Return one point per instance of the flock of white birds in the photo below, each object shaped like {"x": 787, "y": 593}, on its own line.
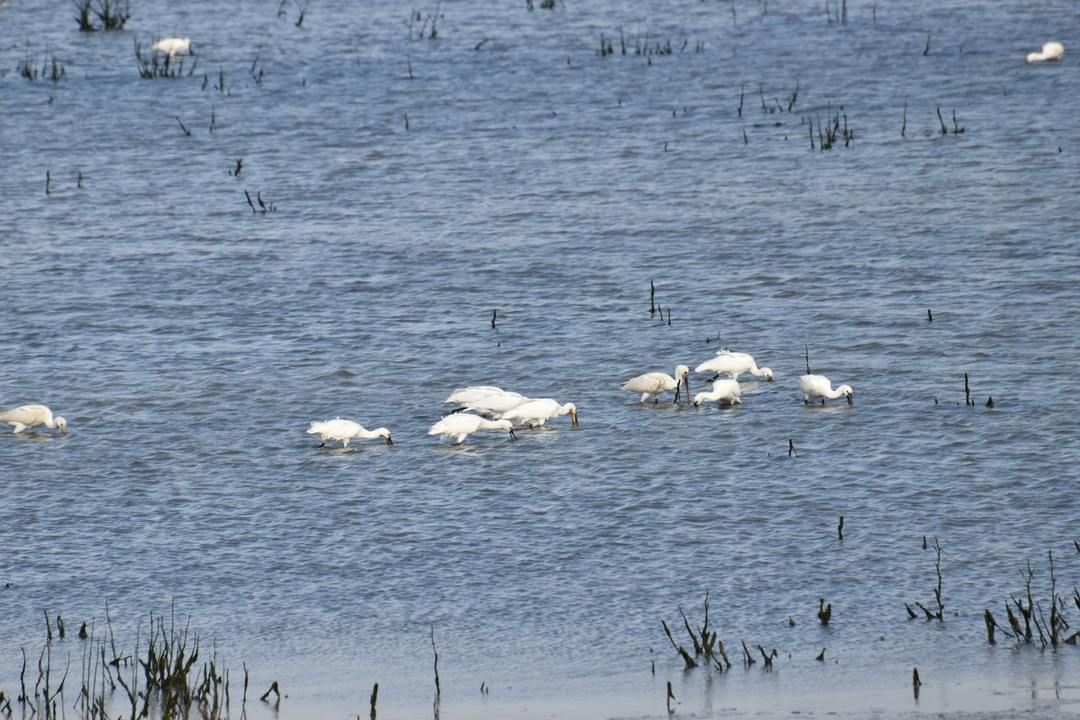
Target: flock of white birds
{"x": 486, "y": 407}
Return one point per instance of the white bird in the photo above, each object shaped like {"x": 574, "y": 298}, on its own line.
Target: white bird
{"x": 496, "y": 404}
{"x": 346, "y": 430}
{"x": 461, "y": 425}
{"x": 1051, "y": 52}
{"x": 30, "y": 416}
{"x": 536, "y": 412}
{"x": 724, "y": 390}
{"x": 818, "y": 386}
{"x": 172, "y": 46}
{"x": 733, "y": 364}
{"x": 464, "y": 396}
{"x": 654, "y": 383}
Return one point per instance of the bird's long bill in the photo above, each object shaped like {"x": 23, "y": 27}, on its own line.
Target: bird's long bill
{"x": 389, "y": 441}
{"x": 851, "y": 399}
{"x": 573, "y": 417}
{"x": 686, "y": 381}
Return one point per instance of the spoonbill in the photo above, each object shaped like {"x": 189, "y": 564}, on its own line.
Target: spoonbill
{"x": 466, "y": 395}
{"x": 654, "y": 383}
{"x": 346, "y": 430}
{"x": 461, "y": 425}
{"x": 172, "y": 46}
{"x": 733, "y": 364}
{"x": 30, "y": 416}
{"x": 536, "y": 412}
{"x": 496, "y": 404}
{"x": 1051, "y": 52}
{"x": 818, "y": 386}
{"x": 724, "y": 390}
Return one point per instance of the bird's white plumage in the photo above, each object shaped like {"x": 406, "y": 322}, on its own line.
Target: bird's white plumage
{"x": 1051, "y": 52}
{"x": 460, "y": 425}
{"x": 818, "y": 386}
{"x": 724, "y": 390}
{"x": 733, "y": 364}
{"x": 172, "y": 46}
{"x": 536, "y": 412}
{"x": 496, "y": 404}
{"x": 652, "y": 384}
{"x": 466, "y": 395}
{"x": 346, "y": 430}
{"x": 30, "y": 416}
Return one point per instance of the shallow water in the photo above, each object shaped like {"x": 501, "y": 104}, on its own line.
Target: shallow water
{"x": 189, "y": 342}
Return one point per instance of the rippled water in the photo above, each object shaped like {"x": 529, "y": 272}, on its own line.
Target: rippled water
{"x": 421, "y": 184}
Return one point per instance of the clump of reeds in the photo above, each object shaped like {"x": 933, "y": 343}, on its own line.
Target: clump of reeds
{"x": 708, "y": 647}
{"x": 833, "y": 130}
{"x": 1051, "y": 631}
{"x": 425, "y": 26}
{"x": 110, "y": 14}
{"x": 51, "y": 68}
{"x": 160, "y": 676}
{"x": 646, "y": 46}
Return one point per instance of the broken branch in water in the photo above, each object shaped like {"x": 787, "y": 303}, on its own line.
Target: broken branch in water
{"x": 689, "y": 661}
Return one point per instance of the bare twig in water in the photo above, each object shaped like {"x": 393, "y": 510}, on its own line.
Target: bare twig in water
{"x": 272, "y": 689}
{"x": 687, "y": 660}
{"x": 824, "y": 611}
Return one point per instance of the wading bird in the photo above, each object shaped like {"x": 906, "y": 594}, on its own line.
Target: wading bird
{"x": 30, "y": 416}
{"x": 464, "y": 396}
{"x": 172, "y": 46}
{"x": 1051, "y": 52}
{"x": 461, "y": 425}
{"x": 818, "y": 386}
{"x": 723, "y": 391}
{"x": 536, "y": 412}
{"x": 653, "y": 384}
{"x": 733, "y": 364}
{"x": 496, "y": 404}
{"x": 346, "y": 430}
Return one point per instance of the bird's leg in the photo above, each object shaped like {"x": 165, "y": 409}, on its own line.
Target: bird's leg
{"x": 344, "y": 443}
{"x": 644, "y": 397}
{"x": 18, "y": 427}
{"x": 822, "y": 401}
